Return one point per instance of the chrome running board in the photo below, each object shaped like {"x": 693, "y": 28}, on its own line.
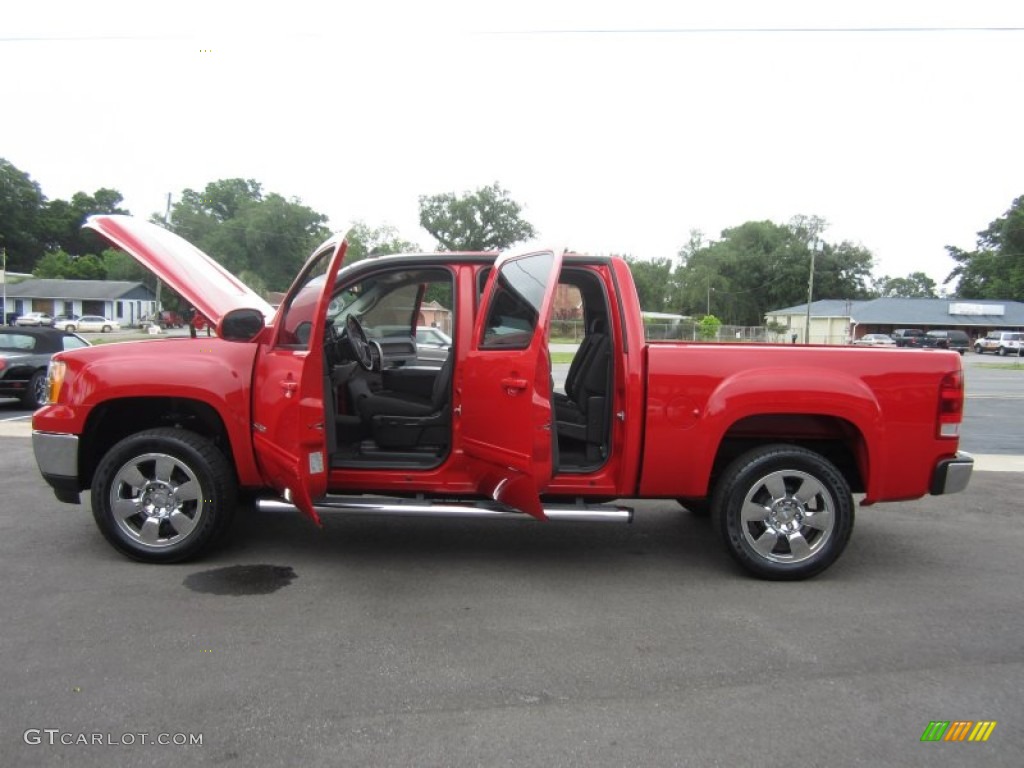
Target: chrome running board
{"x": 360, "y": 505}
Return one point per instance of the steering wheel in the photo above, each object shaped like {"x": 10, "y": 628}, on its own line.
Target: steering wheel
{"x": 359, "y": 343}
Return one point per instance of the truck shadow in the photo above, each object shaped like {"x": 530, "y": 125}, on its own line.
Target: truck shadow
{"x": 671, "y": 538}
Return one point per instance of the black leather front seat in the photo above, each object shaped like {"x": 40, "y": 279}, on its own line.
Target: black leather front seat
{"x": 404, "y": 420}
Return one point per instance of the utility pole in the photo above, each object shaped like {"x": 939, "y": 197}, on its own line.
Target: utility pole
{"x": 159, "y": 285}
{"x": 816, "y": 246}
{"x": 3, "y": 321}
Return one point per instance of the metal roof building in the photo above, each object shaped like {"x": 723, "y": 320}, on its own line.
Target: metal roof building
{"x": 835, "y": 321}
{"x": 122, "y": 300}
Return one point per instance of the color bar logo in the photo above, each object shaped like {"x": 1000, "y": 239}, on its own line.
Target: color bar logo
{"x": 958, "y": 730}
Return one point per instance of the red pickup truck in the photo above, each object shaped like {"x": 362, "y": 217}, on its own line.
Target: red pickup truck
{"x": 323, "y": 406}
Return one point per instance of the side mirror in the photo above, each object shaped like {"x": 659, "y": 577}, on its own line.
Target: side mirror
{"x": 241, "y": 325}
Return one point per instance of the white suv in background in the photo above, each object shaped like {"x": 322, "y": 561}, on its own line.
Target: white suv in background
{"x": 1000, "y": 342}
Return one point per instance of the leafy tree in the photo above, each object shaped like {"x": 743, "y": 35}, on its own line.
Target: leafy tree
{"x": 118, "y": 265}
{"x": 364, "y": 240}
{"x": 995, "y": 269}
{"x": 20, "y": 202}
{"x": 760, "y": 265}
{"x": 709, "y": 325}
{"x": 916, "y": 285}
{"x": 62, "y": 265}
{"x": 484, "y": 220}
{"x": 60, "y": 221}
{"x": 653, "y": 280}
{"x": 246, "y": 230}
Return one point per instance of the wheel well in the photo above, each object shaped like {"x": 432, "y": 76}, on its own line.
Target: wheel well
{"x": 836, "y": 439}
{"x": 113, "y": 421}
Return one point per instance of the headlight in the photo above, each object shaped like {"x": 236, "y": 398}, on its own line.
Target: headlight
{"x": 55, "y": 380}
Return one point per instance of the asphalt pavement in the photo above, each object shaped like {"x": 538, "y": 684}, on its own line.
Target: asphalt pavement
{"x": 388, "y": 642}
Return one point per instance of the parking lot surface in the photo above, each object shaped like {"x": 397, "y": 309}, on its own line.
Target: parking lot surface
{"x": 376, "y": 642}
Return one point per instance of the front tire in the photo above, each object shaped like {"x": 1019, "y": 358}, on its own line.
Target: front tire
{"x": 163, "y": 495}
{"x": 784, "y": 512}
{"x": 35, "y": 392}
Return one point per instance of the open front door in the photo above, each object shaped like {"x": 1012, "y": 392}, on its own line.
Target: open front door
{"x": 289, "y": 429}
{"x": 503, "y": 392}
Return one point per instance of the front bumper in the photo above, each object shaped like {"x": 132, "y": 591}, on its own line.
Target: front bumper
{"x": 952, "y": 475}
{"x": 57, "y": 458}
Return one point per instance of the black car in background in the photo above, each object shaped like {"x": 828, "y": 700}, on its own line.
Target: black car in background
{"x": 908, "y": 337}
{"x": 24, "y": 355}
{"x": 956, "y": 340}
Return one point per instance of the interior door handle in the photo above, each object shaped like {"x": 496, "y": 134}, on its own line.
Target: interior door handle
{"x": 514, "y": 386}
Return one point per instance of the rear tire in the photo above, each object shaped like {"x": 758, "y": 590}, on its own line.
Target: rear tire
{"x": 163, "y": 495}
{"x": 784, "y": 512}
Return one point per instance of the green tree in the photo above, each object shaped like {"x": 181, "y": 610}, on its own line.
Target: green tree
{"x": 246, "y": 230}
{"x": 364, "y": 240}
{"x": 118, "y": 265}
{"x": 654, "y": 286}
{"x": 760, "y": 265}
{"x": 916, "y": 285}
{"x": 21, "y": 201}
{"x": 484, "y": 220}
{"x": 995, "y": 269}
{"x": 60, "y": 264}
{"x": 60, "y": 221}
{"x": 709, "y": 325}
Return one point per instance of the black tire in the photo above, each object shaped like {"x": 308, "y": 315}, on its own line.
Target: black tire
{"x": 1002, "y": 351}
{"x": 35, "y": 392}
{"x": 696, "y": 507}
{"x": 186, "y": 482}
{"x": 798, "y": 535}
{"x": 105, "y": 329}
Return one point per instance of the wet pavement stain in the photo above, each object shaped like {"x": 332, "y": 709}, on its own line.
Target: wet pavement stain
{"x": 241, "y": 580}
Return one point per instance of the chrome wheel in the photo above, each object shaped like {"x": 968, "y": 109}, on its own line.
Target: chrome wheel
{"x": 163, "y": 495}
{"x": 155, "y": 500}
{"x": 784, "y": 512}
{"x": 787, "y": 516}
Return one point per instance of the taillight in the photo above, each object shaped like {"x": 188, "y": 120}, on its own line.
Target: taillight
{"x": 55, "y": 380}
{"x": 951, "y": 404}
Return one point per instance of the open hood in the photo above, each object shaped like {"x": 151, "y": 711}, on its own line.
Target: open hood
{"x": 198, "y": 278}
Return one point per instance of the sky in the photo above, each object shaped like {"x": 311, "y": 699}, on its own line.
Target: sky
{"x": 619, "y": 127}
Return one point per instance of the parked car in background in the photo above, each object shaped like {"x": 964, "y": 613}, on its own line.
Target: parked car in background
{"x": 908, "y": 337}
{"x": 874, "y": 340}
{"x": 955, "y": 340}
{"x": 1000, "y": 343}
{"x": 432, "y": 344}
{"x": 65, "y": 322}
{"x": 24, "y": 355}
{"x": 93, "y": 324}
{"x": 168, "y": 318}
{"x": 34, "y": 320}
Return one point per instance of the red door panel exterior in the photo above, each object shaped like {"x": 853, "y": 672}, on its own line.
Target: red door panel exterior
{"x": 503, "y": 385}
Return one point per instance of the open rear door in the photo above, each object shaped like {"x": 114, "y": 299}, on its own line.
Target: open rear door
{"x": 503, "y": 391}
{"x": 289, "y": 429}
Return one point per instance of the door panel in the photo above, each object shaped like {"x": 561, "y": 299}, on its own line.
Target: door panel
{"x": 504, "y": 382}
{"x": 289, "y": 435}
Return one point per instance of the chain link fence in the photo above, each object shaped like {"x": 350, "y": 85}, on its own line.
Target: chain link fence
{"x": 574, "y": 331}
